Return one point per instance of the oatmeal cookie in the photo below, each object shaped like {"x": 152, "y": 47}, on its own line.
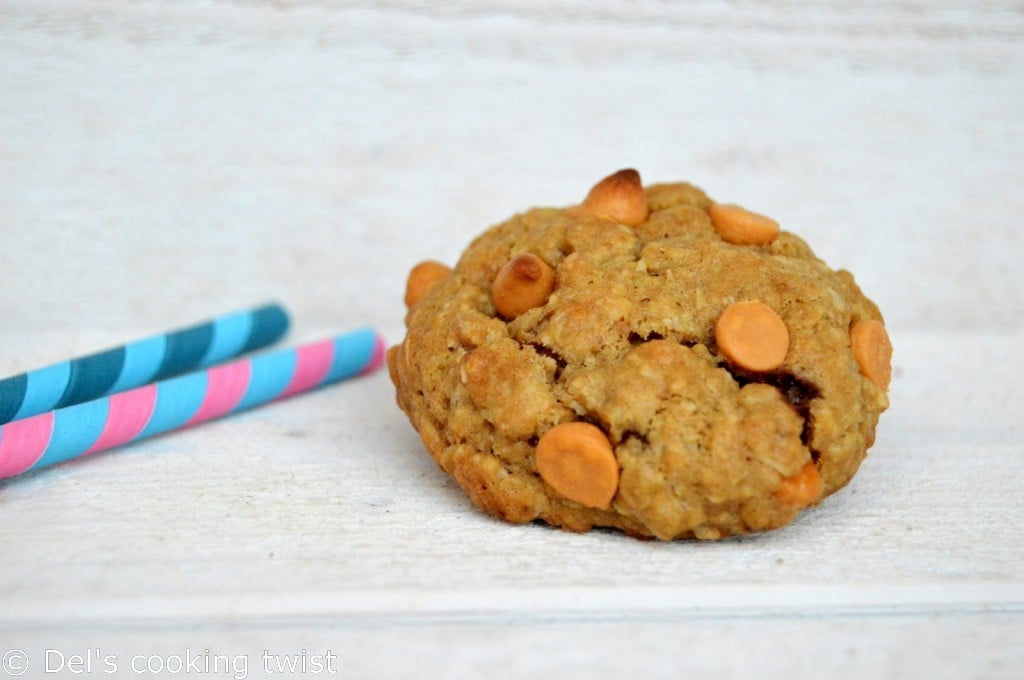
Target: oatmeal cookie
{"x": 648, "y": 360}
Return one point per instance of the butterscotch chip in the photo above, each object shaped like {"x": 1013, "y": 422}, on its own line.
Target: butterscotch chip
{"x": 802, "y": 489}
{"x": 873, "y": 351}
{"x": 524, "y": 282}
{"x": 577, "y": 460}
{"x": 422, "y": 278}
{"x": 741, "y": 226}
{"x": 670, "y": 384}
{"x": 620, "y": 197}
{"x": 752, "y": 336}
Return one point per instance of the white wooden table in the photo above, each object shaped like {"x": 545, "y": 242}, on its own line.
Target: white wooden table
{"x": 161, "y": 163}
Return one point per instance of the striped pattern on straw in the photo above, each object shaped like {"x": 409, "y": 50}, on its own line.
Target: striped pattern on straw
{"x": 60, "y": 435}
{"x": 155, "y": 358}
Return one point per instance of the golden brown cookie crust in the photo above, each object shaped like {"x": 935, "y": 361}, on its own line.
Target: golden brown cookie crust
{"x": 626, "y": 341}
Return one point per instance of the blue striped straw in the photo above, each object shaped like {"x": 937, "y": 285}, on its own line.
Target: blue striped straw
{"x": 154, "y": 358}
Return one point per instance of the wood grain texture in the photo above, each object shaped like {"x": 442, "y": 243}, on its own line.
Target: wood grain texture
{"x": 163, "y": 162}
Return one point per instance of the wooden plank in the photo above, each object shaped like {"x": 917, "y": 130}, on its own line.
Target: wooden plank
{"x": 312, "y": 514}
{"x": 770, "y": 647}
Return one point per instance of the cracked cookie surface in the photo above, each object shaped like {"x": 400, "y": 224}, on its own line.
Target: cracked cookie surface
{"x": 625, "y": 340}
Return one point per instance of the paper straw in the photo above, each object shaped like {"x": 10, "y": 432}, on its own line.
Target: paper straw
{"x": 140, "y": 362}
{"x": 66, "y": 433}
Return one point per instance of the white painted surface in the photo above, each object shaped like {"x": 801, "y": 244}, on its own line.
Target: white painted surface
{"x": 161, "y": 163}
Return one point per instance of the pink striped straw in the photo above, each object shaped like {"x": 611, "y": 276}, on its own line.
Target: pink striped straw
{"x": 56, "y": 436}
